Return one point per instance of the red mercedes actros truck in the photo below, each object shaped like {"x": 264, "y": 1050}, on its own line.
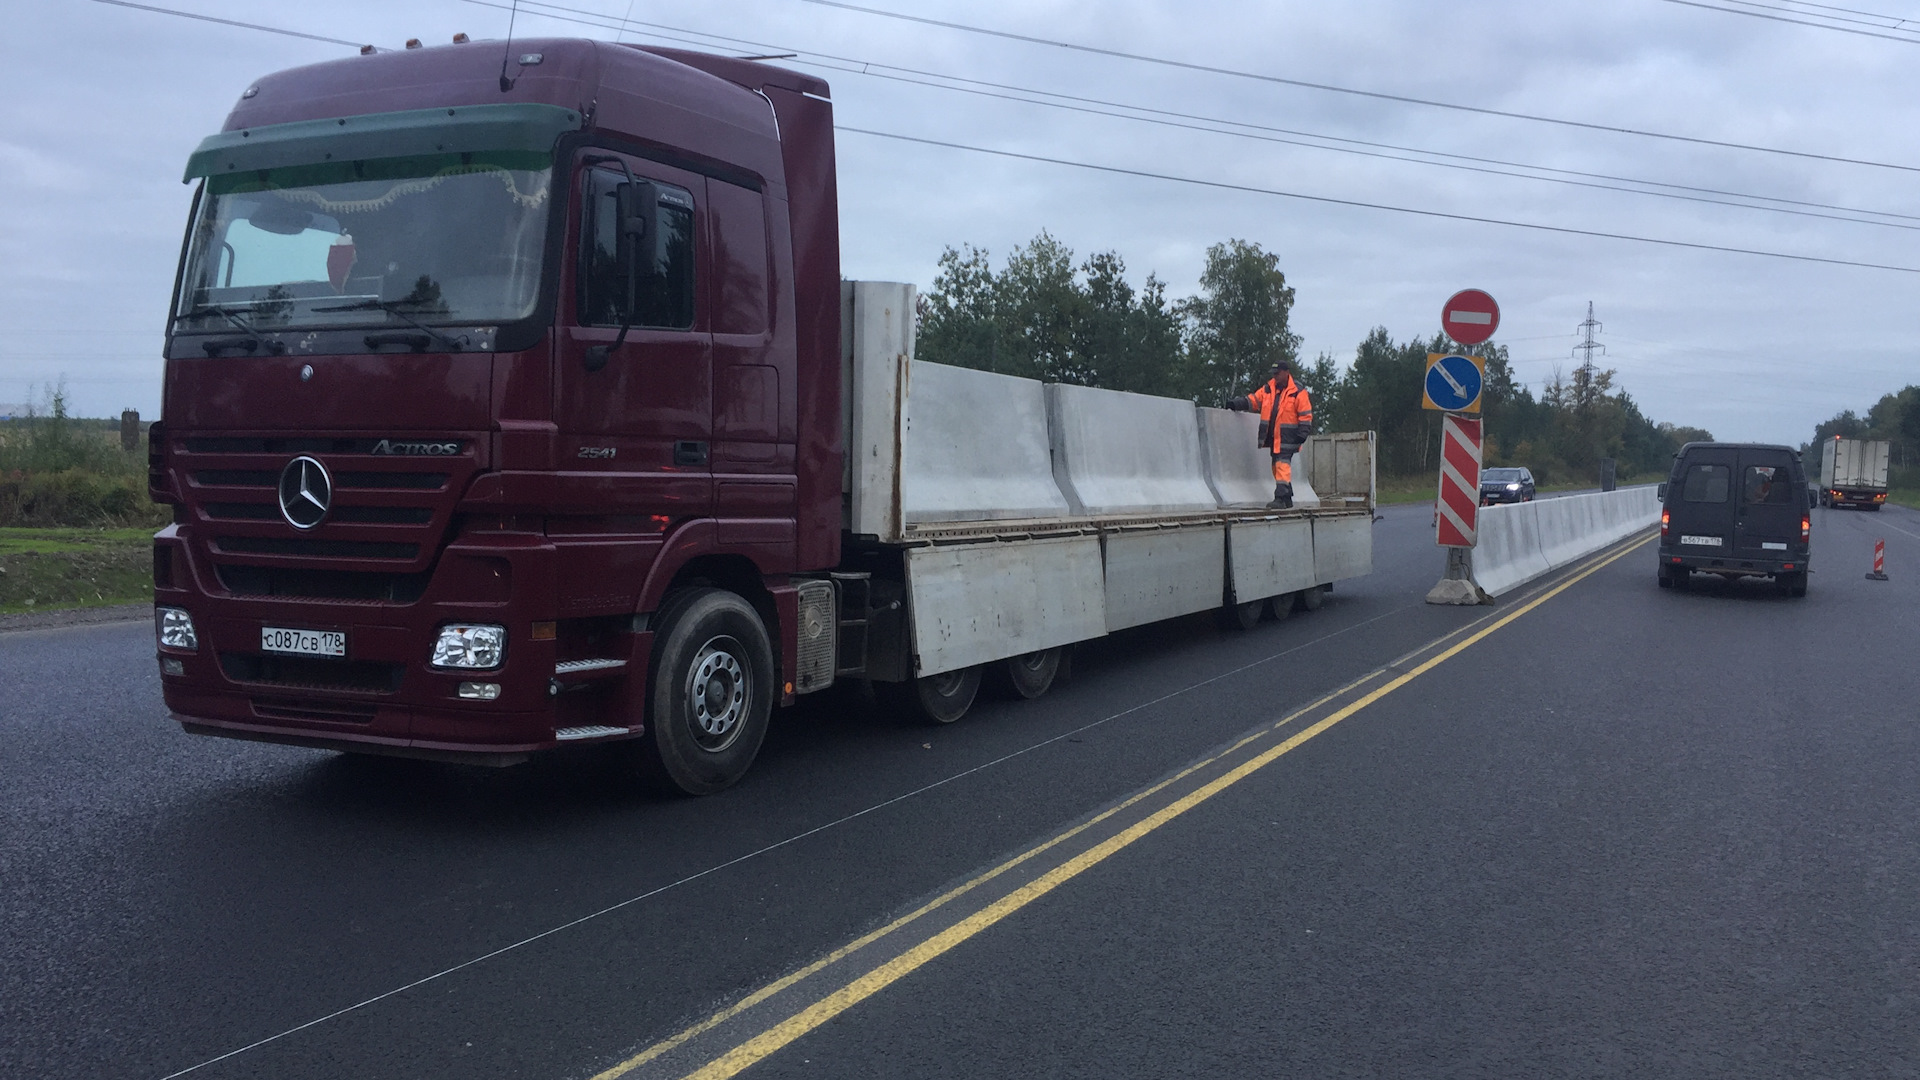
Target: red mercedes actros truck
{"x": 514, "y": 406}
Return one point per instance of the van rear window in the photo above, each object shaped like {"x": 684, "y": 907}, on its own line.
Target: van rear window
{"x": 1707, "y": 483}
{"x": 1766, "y": 484}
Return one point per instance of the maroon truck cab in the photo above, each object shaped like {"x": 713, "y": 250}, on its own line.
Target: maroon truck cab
{"x": 503, "y": 410}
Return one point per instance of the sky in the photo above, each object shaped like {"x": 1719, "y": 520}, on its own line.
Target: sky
{"x": 108, "y": 100}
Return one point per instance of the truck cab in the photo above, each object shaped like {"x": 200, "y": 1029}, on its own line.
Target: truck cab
{"x": 1735, "y": 510}
{"x": 467, "y": 372}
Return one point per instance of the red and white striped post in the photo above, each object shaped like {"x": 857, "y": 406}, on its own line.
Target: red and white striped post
{"x": 1459, "y": 482}
{"x": 1879, "y": 561}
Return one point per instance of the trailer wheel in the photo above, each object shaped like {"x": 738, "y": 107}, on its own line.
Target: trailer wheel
{"x": 1311, "y": 599}
{"x": 1242, "y": 616}
{"x": 936, "y": 699}
{"x": 710, "y": 692}
{"x": 1030, "y": 675}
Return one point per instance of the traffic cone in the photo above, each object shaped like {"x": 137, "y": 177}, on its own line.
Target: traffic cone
{"x": 1879, "y": 572}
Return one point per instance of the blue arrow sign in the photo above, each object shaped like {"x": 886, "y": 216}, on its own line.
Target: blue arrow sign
{"x": 1453, "y": 384}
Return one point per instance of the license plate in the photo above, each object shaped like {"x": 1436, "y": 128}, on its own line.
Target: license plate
{"x": 1701, "y": 541}
{"x": 280, "y": 639}
{"x": 1768, "y": 546}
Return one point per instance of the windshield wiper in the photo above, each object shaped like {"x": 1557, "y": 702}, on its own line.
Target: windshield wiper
{"x": 392, "y": 307}
{"x": 253, "y": 341}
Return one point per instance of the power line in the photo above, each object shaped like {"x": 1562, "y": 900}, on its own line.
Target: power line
{"x": 1796, "y": 22}
{"x": 1252, "y": 131}
{"x": 233, "y": 22}
{"x": 1228, "y": 186}
{"x": 1188, "y": 65}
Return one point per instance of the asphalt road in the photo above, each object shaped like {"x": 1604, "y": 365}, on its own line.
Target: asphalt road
{"x": 1619, "y": 830}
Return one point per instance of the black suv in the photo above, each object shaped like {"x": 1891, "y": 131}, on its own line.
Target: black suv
{"x": 1505, "y": 485}
{"x": 1738, "y": 510}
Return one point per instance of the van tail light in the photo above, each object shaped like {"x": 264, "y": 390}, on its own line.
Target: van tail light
{"x": 1666, "y": 516}
{"x": 1806, "y": 526}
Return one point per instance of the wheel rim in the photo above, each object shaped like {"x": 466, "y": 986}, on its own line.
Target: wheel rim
{"x": 719, "y": 692}
{"x": 946, "y": 684}
{"x": 1034, "y": 662}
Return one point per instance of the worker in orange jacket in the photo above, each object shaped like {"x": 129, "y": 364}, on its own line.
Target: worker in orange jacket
{"x": 1286, "y": 419}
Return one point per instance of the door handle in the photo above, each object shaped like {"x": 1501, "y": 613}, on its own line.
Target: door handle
{"x": 689, "y": 452}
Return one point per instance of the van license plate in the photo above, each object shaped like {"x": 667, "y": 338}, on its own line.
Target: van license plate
{"x": 1701, "y": 541}
{"x": 1769, "y": 546}
{"x": 279, "y": 639}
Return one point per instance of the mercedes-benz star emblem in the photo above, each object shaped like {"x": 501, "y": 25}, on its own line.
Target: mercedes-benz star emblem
{"x": 306, "y": 493}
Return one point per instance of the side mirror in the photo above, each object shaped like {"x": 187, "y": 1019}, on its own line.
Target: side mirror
{"x": 636, "y": 208}
{"x": 637, "y": 205}
{"x": 1813, "y": 498}
{"x": 1661, "y": 491}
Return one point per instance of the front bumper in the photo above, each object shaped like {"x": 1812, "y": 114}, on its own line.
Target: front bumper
{"x": 384, "y": 697}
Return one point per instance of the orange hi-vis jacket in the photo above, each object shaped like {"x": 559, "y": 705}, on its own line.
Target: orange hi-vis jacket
{"x": 1289, "y": 409}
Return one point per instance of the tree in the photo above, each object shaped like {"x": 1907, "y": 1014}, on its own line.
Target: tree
{"x": 1237, "y": 327}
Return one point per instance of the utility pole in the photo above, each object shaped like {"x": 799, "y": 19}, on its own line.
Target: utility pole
{"x": 1583, "y": 377}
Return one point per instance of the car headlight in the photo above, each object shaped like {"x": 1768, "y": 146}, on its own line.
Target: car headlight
{"x": 174, "y": 627}
{"x": 1513, "y": 487}
{"x": 463, "y": 645}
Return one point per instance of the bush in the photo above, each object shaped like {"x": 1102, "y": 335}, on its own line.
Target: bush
{"x": 76, "y": 497}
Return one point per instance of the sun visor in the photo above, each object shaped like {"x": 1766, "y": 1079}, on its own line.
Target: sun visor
{"x": 463, "y": 129}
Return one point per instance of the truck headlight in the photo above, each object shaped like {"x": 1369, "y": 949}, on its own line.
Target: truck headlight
{"x": 463, "y": 645}
{"x": 174, "y": 627}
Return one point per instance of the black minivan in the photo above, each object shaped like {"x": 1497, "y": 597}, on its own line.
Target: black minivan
{"x": 1738, "y": 510}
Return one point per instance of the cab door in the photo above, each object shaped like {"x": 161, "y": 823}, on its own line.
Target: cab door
{"x": 1771, "y": 502}
{"x": 635, "y": 426}
{"x": 1700, "y": 503}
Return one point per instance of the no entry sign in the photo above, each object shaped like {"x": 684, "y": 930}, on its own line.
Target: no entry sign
{"x": 1470, "y": 317}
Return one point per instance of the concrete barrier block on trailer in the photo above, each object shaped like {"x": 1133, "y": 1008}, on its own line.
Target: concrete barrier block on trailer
{"x": 1155, "y": 573}
{"x": 1270, "y": 557}
{"x": 976, "y": 603}
{"x": 1238, "y": 468}
{"x": 975, "y": 448}
{"x": 1126, "y": 455}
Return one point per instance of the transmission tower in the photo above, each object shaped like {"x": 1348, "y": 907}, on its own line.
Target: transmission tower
{"x": 1583, "y": 376}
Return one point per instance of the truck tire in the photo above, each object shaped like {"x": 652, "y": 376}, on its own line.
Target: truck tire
{"x": 1875, "y": 506}
{"x": 1279, "y": 607}
{"x": 934, "y": 699}
{"x": 1029, "y": 676}
{"x": 1311, "y": 599}
{"x": 1242, "y": 616}
{"x": 710, "y": 692}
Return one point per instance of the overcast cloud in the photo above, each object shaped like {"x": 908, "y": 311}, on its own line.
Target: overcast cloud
{"x": 108, "y": 101}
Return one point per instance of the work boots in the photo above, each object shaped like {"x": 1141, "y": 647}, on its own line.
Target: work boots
{"x": 1282, "y": 496}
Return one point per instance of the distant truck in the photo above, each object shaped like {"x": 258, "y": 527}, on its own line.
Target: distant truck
{"x": 510, "y": 412}
{"x": 1853, "y": 472}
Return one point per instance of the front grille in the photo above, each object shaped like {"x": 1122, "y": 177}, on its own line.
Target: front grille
{"x": 392, "y": 481}
{"x": 384, "y": 515}
{"x": 326, "y": 712}
{"x": 310, "y": 584}
{"x": 235, "y": 478}
{"x": 243, "y": 511}
{"x": 324, "y": 549}
{"x": 310, "y": 445}
{"x": 312, "y": 673}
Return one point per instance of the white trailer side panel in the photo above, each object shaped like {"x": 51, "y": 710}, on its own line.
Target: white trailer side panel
{"x": 970, "y": 604}
{"x": 1342, "y": 547}
{"x": 1161, "y": 573}
{"x": 1271, "y": 557}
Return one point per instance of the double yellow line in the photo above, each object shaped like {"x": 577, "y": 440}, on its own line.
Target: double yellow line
{"x": 823, "y": 1009}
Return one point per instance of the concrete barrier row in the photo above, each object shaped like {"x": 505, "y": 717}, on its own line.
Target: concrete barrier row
{"x": 1522, "y": 541}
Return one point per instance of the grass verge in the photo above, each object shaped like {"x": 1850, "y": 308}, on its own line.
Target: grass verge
{"x": 48, "y": 569}
{"x": 1907, "y": 497}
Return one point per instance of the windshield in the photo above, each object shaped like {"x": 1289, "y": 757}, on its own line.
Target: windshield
{"x": 1503, "y": 476}
{"x": 446, "y": 239}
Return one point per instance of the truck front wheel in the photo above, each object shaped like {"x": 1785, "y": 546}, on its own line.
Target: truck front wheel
{"x": 711, "y": 691}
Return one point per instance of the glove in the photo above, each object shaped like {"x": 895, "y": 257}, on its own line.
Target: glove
{"x": 1237, "y": 404}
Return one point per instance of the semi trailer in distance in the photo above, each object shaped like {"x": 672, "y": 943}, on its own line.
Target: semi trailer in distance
{"x": 1853, "y": 472}
{"x": 506, "y": 412}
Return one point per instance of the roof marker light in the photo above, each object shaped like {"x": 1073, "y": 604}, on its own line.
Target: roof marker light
{"x": 366, "y": 50}
{"x": 461, "y": 39}
{"x": 413, "y": 43}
